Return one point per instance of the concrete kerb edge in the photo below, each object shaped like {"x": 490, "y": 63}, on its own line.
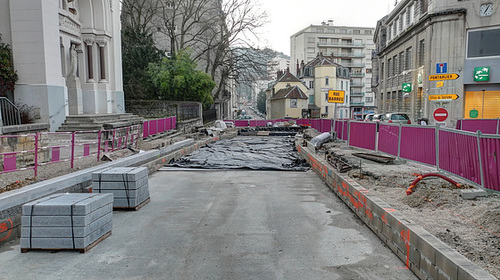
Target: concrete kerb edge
{"x": 10, "y": 202}
{"x": 422, "y": 252}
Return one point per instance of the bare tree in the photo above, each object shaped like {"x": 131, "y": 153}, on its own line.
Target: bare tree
{"x": 140, "y": 14}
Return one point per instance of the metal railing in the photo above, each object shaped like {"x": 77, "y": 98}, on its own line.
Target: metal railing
{"x": 9, "y": 113}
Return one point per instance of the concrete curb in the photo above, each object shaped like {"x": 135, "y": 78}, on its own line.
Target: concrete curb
{"x": 79, "y": 181}
{"x": 423, "y": 253}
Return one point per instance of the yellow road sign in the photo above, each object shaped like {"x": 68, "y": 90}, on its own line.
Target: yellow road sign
{"x": 440, "y": 84}
{"x": 439, "y": 77}
{"x": 443, "y": 96}
{"x": 336, "y": 96}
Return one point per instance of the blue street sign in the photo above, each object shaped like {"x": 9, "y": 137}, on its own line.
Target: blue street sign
{"x": 441, "y": 68}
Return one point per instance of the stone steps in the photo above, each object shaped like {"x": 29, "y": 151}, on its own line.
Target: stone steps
{"x": 99, "y": 122}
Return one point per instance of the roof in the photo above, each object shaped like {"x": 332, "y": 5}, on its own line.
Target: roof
{"x": 288, "y": 77}
{"x": 321, "y": 60}
{"x": 290, "y": 92}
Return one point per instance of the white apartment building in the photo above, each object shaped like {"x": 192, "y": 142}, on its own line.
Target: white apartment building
{"x": 350, "y": 47}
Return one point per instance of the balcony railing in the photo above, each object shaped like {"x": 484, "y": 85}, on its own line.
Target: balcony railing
{"x": 9, "y": 113}
{"x": 342, "y": 45}
{"x": 357, "y": 94}
{"x": 357, "y": 84}
{"x": 355, "y": 74}
{"x": 357, "y": 104}
{"x": 349, "y": 55}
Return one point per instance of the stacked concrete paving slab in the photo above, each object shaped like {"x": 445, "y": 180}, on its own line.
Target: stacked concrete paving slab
{"x": 129, "y": 186}
{"x": 66, "y": 221}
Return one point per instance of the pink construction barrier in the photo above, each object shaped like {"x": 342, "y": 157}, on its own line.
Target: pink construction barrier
{"x": 418, "y": 144}
{"x": 363, "y": 135}
{"x": 490, "y": 151}
{"x": 388, "y": 137}
{"x": 486, "y": 126}
{"x": 458, "y": 154}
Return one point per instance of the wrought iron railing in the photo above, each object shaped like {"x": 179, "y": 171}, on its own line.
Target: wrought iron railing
{"x": 9, "y": 113}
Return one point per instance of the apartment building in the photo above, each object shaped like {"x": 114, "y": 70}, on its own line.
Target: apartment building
{"x": 440, "y": 54}
{"x": 350, "y": 47}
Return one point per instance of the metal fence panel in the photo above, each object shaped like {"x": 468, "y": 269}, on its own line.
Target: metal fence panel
{"x": 458, "y": 154}
{"x": 485, "y": 126}
{"x": 363, "y": 134}
{"x": 490, "y": 157}
{"x": 388, "y": 138}
{"x": 418, "y": 144}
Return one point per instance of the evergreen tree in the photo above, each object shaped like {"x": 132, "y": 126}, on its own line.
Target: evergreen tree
{"x": 8, "y": 75}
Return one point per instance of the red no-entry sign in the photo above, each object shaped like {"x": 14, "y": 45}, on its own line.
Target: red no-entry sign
{"x": 440, "y": 114}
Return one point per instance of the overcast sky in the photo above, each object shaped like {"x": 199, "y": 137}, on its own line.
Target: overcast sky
{"x": 287, "y": 17}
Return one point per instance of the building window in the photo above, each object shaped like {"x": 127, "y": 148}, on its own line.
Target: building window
{"x": 355, "y": 31}
{"x": 401, "y": 65}
{"x": 311, "y": 40}
{"x": 368, "y": 71}
{"x": 382, "y": 71}
{"x": 319, "y": 30}
{"x": 411, "y": 14}
{"x": 408, "y": 60}
{"x": 395, "y": 65}
{"x": 311, "y": 99}
{"x": 395, "y": 29}
{"x": 368, "y": 99}
{"x": 311, "y": 50}
{"x": 421, "y": 52}
{"x": 389, "y": 66}
{"x": 327, "y": 81}
{"x": 368, "y": 32}
{"x": 326, "y": 109}
{"x": 483, "y": 43}
{"x": 322, "y": 40}
{"x": 326, "y": 96}
{"x": 343, "y": 31}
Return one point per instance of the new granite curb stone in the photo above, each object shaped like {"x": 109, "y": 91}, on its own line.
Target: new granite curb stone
{"x": 59, "y": 221}
{"x": 422, "y": 252}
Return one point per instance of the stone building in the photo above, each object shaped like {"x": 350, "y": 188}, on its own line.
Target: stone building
{"x": 350, "y": 47}
{"x": 67, "y": 54}
{"x": 439, "y": 54}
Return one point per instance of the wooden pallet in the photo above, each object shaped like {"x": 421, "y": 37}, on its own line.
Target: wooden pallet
{"x": 81, "y": 250}
{"x": 133, "y": 208}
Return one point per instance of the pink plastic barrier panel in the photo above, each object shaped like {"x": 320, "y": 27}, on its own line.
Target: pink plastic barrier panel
{"x": 168, "y": 124}
{"x": 9, "y": 162}
{"x": 56, "y": 154}
{"x": 316, "y": 124}
{"x": 253, "y": 123}
{"x": 485, "y": 126}
{"x": 145, "y": 129}
{"x": 261, "y": 123}
{"x": 153, "y": 127}
{"x": 363, "y": 135}
{"x": 345, "y": 130}
{"x": 490, "y": 152}
{"x": 458, "y": 154}
{"x": 418, "y": 144}
{"x": 161, "y": 125}
{"x": 326, "y": 125}
{"x": 86, "y": 150}
{"x": 388, "y": 136}
{"x": 240, "y": 123}
{"x": 106, "y": 148}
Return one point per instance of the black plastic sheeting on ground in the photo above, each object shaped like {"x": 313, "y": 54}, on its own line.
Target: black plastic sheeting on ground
{"x": 255, "y": 153}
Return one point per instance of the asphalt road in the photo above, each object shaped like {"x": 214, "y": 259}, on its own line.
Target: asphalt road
{"x": 224, "y": 225}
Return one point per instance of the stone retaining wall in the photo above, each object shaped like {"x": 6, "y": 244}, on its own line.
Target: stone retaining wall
{"x": 423, "y": 253}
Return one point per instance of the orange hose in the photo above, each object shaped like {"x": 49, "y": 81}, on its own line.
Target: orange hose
{"x": 420, "y": 177}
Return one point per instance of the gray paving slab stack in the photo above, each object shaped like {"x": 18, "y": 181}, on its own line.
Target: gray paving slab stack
{"x": 129, "y": 185}
{"x": 66, "y": 221}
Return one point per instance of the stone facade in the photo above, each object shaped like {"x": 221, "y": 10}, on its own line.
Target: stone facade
{"x": 67, "y": 54}
{"x": 421, "y": 39}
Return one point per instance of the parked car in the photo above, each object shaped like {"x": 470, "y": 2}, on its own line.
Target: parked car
{"x": 377, "y": 117}
{"x": 396, "y": 117}
{"x": 373, "y": 117}
{"x": 245, "y": 117}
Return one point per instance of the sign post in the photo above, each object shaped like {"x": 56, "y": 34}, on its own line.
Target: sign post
{"x": 440, "y": 77}
{"x": 336, "y": 96}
